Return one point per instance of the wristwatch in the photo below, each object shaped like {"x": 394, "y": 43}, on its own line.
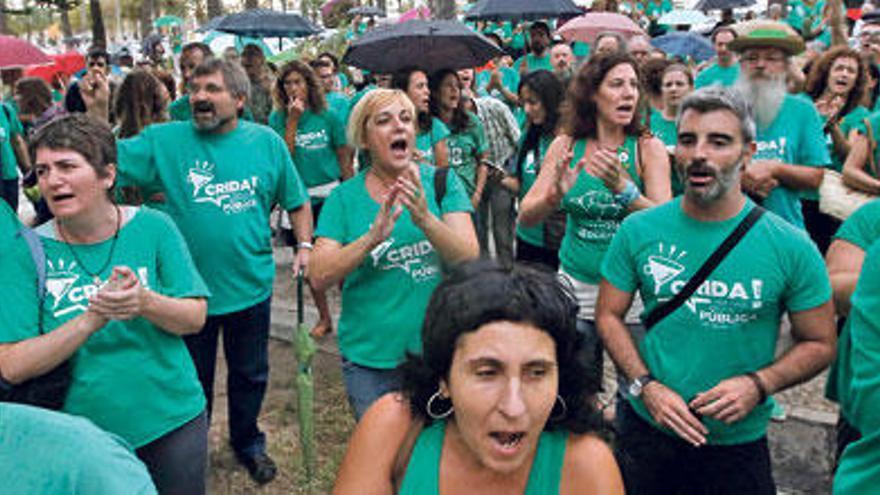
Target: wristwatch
{"x": 636, "y": 386}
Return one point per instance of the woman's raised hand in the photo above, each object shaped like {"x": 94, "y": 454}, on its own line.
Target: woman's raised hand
{"x": 565, "y": 175}
{"x": 604, "y": 164}
{"x": 412, "y": 195}
{"x": 389, "y": 211}
{"x": 121, "y": 298}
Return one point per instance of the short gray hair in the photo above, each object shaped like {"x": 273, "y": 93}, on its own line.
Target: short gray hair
{"x": 712, "y": 98}
{"x": 234, "y": 76}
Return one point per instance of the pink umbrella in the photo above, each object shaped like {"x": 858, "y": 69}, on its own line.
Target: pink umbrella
{"x": 327, "y": 7}
{"x": 416, "y": 13}
{"x": 16, "y": 52}
{"x": 588, "y": 26}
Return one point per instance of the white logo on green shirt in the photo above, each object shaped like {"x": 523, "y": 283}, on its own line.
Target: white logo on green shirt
{"x": 772, "y": 149}
{"x": 315, "y": 140}
{"x": 234, "y": 196}
{"x": 62, "y": 287}
{"x": 409, "y": 258}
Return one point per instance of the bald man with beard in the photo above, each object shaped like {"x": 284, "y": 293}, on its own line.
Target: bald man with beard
{"x": 791, "y": 149}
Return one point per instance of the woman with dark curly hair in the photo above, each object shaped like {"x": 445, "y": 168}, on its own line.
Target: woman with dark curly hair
{"x": 600, "y": 167}
{"x": 141, "y": 100}
{"x": 316, "y": 139}
{"x": 495, "y": 401}
{"x": 836, "y": 83}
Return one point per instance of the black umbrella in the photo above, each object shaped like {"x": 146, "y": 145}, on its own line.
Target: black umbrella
{"x": 264, "y": 23}
{"x": 514, "y": 10}
{"x": 425, "y": 45}
{"x": 211, "y": 25}
{"x": 367, "y": 11}
{"x": 705, "y": 5}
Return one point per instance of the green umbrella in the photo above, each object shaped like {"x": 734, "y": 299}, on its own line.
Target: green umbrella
{"x": 305, "y": 388}
{"x": 285, "y": 56}
{"x": 168, "y": 20}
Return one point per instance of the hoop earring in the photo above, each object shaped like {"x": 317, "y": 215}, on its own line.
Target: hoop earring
{"x": 430, "y": 406}
{"x": 564, "y": 409}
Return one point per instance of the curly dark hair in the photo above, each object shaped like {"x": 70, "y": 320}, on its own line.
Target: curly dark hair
{"x": 460, "y": 119}
{"x": 139, "y": 102}
{"x": 34, "y": 96}
{"x": 817, "y": 79}
{"x": 550, "y": 91}
{"x": 480, "y": 292}
{"x": 579, "y": 111}
{"x": 317, "y": 103}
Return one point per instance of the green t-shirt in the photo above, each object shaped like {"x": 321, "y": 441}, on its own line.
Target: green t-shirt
{"x": 340, "y": 107}
{"x": 667, "y": 131}
{"x": 50, "y": 453}
{"x": 509, "y": 79}
{"x": 862, "y": 229}
{"x": 385, "y": 297}
{"x": 593, "y": 216}
{"x": 795, "y": 137}
{"x": 580, "y": 49}
{"x": 465, "y": 148}
{"x": 853, "y": 120}
{"x": 730, "y": 325}
{"x": 131, "y": 377}
{"x": 527, "y": 172}
{"x": 797, "y": 14}
{"x": 859, "y": 467}
{"x": 425, "y": 140}
{"x": 10, "y": 127}
{"x": 180, "y": 109}
{"x": 18, "y": 275}
{"x": 535, "y": 63}
{"x": 715, "y": 74}
{"x": 423, "y": 470}
{"x": 318, "y": 135}
{"x": 874, "y": 121}
{"x": 219, "y": 189}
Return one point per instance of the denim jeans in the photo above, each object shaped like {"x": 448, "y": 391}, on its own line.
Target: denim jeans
{"x": 177, "y": 460}
{"x": 655, "y": 462}
{"x": 246, "y": 347}
{"x": 497, "y": 205}
{"x": 365, "y": 385}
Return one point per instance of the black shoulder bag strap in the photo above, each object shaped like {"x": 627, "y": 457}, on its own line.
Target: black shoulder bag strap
{"x": 704, "y": 271}
{"x": 440, "y": 185}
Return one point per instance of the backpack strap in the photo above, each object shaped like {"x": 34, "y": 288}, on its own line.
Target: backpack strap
{"x": 440, "y": 177}
{"x": 38, "y": 256}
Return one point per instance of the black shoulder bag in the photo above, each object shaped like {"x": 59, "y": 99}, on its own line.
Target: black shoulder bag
{"x": 48, "y": 390}
{"x": 704, "y": 271}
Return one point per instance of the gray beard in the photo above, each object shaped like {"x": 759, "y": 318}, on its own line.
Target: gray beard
{"x": 725, "y": 180}
{"x": 765, "y": 96}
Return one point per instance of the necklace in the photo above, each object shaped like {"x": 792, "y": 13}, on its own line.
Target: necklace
{"x": 96, "y": 276}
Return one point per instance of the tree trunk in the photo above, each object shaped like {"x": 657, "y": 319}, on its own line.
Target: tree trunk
{"x": 4, "y": 29}
{"x": 443, "y": 9}
{"x": 99, "y": 32}
{"x": 146, "y": 18}
{"x": 215, "y": 8}
{"x": 838, "y": 26}
{"x": 382, "y": 4}
{"x": 66, "y": 30}
{"x": 251, "y": 4}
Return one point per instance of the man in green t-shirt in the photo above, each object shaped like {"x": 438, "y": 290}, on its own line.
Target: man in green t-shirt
{"x": 791, "y": 149}
{"x": 191, "y": 56}
{"x": 702, "y": 377}
{"x": 538, "y": 56}
{"x": 725, "y": 70}
{"x": 221, "y": 177}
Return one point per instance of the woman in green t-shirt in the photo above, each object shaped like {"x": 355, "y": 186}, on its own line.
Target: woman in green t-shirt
{"x": 495, "y": 404}
{"x": 676, "y": 82}
{"x": 121, "y": 291}
{"x": 387, "y": 232}
{"x": 601, "y": 167}
{"x": 316, "y": 140}
{"x": 431, "y": 133}
{"x": 466, "y": 142}
{"x": 836, "y": 83}
{"x": 541, "y": 94}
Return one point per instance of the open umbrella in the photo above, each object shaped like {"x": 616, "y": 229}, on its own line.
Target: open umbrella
{"x": 514, "y": 10}
{"x": 705, "y": 5}
{"x": 367, "y": 11}
{"x": 685, "y": 44}
{"x": 265, "y": 23}
{"x": 426, "y": 45}
{"x": 304, "y": 348}
{"x": 62, "y": 64}
{"x": 683, "y": 18}
{"x": 16, "y": 52}
{"x": 586, "y": 27}
{"x": 167, "y": 21}
{"x": 218, "y": 42}
{"x": 416, "y": 13}
{"x": 211, "y": 25}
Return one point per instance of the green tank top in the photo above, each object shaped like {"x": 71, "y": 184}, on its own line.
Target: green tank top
{"x": 593, "y": 216}
{"x": 423, "y": 471}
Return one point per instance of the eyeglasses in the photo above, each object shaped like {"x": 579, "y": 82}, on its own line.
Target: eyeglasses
{"x": 754, "y": 58}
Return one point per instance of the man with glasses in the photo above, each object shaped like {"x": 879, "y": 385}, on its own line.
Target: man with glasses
{"x": 97, "y": 72}
{"x": 791, "y": 147}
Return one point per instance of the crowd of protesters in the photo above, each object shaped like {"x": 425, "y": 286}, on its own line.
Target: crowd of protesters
{"x": 494, "y": 231}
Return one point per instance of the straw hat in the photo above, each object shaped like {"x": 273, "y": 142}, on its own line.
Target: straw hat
{"x": 767, "y": 34}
